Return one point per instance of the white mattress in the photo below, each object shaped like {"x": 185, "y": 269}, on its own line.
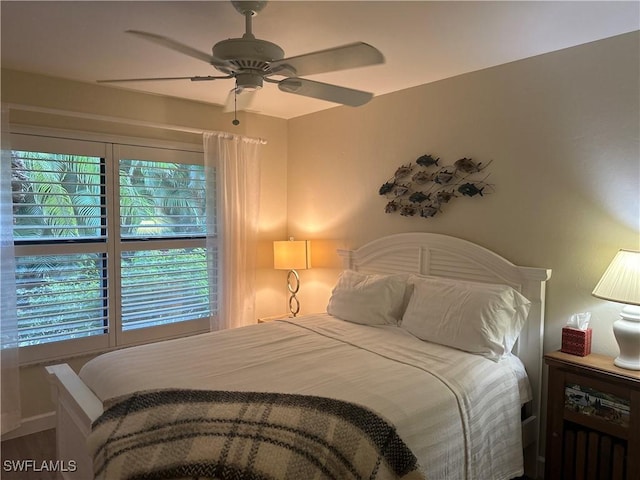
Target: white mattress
{"x": 459, "y": 413}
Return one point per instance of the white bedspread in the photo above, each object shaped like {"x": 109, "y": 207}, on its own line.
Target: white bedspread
{"x": 459, "y": 413}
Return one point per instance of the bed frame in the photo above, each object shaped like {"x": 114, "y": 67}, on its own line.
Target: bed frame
{"x": 419, "y": 253}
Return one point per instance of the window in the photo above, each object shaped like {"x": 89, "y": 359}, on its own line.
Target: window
{"x": 110, "y": 245}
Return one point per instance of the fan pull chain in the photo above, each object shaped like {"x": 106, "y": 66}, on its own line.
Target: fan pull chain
{"x": 235, "y": 105}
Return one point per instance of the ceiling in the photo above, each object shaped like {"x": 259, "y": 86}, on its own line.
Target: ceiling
{"x": 422, "y": 41}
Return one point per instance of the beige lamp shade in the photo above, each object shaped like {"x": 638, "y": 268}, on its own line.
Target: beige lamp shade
{"x": 621, "y": 280}
{"x": 292, "y": 255}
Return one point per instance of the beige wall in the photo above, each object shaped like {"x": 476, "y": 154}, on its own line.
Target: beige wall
{"x": 562, "y": 130}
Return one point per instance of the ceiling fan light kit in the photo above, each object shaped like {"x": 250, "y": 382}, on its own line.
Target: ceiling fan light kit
{"x": 248, "y": 81}
{"x": 251, "y": 61}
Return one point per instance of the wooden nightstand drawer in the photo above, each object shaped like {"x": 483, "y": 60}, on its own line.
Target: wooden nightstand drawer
{"x": 593, "y": 419}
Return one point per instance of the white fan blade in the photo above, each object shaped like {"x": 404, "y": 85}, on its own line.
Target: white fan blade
{"x": 353, "y": 55}
{"x": 178, "y": 47}
{"x": 155, "y": 79}
{"x": 325, "y": 91}
{"x": 240, "y": 101}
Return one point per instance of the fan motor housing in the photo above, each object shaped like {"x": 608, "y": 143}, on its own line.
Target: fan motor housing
{"x": 248, "y": 81}
{"x": 247, "y": 53}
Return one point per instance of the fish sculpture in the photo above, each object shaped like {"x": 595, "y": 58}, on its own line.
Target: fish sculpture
{"x": 443, "y": 196}
{"x": 407, "y": 211}
{"x": 391, "y": 207}
{"x": 424, "y": 187}
{"x": 403, "y": 171}
{"x": 400, "y": 190}
{"x": 428, "y": 211}
{"x": 466, "y": 165}
{"x": 418, "y": 197}
{"x": 386, "y": 188}
{"x": 443, "y": 177}
{"x": 422, "y": 177}
{"x": 470, "y": 190}
{"x": 427, "y": 160}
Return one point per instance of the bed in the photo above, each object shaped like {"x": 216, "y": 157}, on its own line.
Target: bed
{"x": 463, "y": 415}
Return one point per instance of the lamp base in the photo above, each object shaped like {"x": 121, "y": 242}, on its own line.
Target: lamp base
{"x": 294, "y": 304}
{"x": 627, "y": 332}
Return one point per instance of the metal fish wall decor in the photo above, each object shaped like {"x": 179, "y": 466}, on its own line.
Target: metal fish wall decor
{"x": 423, "y": 187}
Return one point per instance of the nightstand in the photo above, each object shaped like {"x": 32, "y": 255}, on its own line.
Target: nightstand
{"x": 593, "y": 419}
{"x": 274, "y": 317}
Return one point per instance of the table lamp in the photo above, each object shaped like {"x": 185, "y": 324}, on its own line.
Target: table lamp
{"x": 292, "y": 255}
{"x": 621, "y": 283}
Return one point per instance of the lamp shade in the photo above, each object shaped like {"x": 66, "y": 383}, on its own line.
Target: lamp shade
{"x": 292, "y": 255}
{"x": 621, "y": 280}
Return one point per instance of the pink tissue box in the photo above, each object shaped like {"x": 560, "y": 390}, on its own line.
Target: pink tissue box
{"x": 576, "y": 341}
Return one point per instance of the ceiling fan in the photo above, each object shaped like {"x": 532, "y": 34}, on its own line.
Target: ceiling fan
{"x": 251, "y": 61}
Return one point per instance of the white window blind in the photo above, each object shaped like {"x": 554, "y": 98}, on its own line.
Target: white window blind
{"x": 163, "y": 286}
{"x": 57, "y": 197}
{"x": 160, "y": 199}
{"x": 110, "y": 245}
{"x": 60, "y": 297}
{"x": 163, "y": 262}
{"x": 58, "y": 200}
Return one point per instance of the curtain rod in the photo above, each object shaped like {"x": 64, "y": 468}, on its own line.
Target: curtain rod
{"x": 112, "y": 119}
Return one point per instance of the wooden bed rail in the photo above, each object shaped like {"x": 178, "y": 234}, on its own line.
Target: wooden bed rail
{"x": 76, "y": 408}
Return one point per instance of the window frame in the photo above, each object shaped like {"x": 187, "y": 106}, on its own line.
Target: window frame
{"x": 111, "y": 148}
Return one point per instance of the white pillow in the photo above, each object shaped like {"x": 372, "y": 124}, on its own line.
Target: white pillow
{"x": 368, "y": 299}
{"x": 475, "y": 317}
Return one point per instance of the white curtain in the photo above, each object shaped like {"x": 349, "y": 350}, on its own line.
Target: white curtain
{"x": 232, "y": 164}
{"x": 8, "y": 329}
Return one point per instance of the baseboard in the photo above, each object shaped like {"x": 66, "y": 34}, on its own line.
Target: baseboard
{"x": 34, "y": 424}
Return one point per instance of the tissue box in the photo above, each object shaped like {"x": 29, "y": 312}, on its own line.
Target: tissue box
{"x": 576, "y": 341}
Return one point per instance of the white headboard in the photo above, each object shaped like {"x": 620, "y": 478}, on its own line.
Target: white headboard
{"x": 445, "y": 256}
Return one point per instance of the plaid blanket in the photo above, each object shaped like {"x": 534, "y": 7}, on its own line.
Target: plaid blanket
{"x": 196, "y": 434}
